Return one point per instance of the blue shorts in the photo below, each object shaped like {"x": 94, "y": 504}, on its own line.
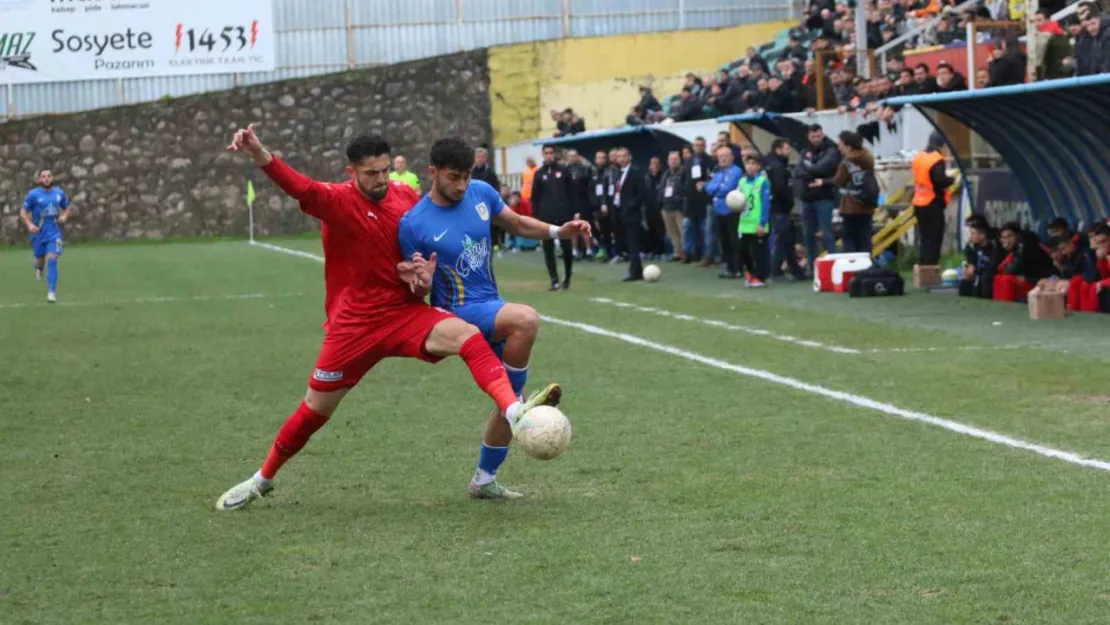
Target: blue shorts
{"x": 41, "y": 246}
{"x": 484, "y": 316}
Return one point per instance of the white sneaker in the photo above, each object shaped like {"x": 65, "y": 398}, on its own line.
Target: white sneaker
{"x": 242, "y": 494}
{"x": 38, "y": 274}
{"x": 50, "y": 297}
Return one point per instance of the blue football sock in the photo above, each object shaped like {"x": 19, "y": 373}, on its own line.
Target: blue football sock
{"x": 489, "y": 460}
{"x": 517, "y": 377}
{"x": 52, "y": 274}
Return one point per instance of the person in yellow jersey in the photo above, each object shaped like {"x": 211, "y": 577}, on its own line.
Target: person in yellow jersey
{"x": 930, "y": 198}
{"x": 401, "y": 173}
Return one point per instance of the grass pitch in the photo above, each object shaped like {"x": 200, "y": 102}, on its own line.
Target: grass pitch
{"x": 691, "y": 493}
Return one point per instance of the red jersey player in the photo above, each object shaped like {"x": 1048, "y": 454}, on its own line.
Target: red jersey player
{"x": 373, "y": 303}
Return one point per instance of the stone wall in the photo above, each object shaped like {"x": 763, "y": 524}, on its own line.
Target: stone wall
{"x": 161, "y": 169}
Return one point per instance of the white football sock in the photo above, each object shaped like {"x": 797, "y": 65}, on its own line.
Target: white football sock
{"x": 514, "y": 413}
{"x": 261, "y": 481}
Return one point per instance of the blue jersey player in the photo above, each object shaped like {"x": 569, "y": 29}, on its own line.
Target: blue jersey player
{"x": 447, "y": 234}
{"x": 44, "y": 210}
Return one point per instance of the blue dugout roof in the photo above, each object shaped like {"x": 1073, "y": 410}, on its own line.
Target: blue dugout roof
{"x": 788, "y": 128}
{"x": 644, "y": 142}
{"x": 1054, "y": 135}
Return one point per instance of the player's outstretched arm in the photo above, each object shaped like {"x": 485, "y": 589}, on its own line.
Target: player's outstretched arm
{"x": 312, "y": 194}
{"x": 532, "y": 228}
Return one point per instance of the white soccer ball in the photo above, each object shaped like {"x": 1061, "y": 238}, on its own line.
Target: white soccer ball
{"x": 543, "y": 433}
{"x": 652, "y": 273}
{"x": 736, "y": 201}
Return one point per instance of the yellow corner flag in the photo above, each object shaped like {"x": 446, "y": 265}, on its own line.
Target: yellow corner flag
{"x": 250, "y": 193}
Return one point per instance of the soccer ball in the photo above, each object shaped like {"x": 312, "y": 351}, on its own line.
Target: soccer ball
{"x": 543, "y": 433}
{"x": 652, "y": 273}
{"x": 736, "y": 201}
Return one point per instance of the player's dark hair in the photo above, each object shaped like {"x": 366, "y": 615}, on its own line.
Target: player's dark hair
{"x": 42, "y": 169}
{"x": 364, "y": 146}
{"x": 975, "y": 219}
{"x": 852, "y": 139}
{"x": 777, "y": 144}
{"x": 452, "y": 153}
{"x": 815, "y": 128}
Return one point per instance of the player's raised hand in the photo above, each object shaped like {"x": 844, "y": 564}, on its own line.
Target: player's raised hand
{"x": 573, "y": 229}
{"x": 245, "y": 140}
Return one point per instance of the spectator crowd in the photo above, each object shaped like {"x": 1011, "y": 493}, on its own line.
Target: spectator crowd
{"x": 817, "y": 67}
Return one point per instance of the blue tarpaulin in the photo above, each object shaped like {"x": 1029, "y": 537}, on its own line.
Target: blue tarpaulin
{"x": 1054, "y": 135}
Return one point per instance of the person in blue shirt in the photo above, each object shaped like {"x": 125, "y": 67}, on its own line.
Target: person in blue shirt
{"x": 44, "y": 210}
{"x": 446, "y": 242}
{"x": 726, "y": 179}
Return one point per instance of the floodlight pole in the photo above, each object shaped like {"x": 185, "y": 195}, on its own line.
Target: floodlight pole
{"x": 863, "y": 66}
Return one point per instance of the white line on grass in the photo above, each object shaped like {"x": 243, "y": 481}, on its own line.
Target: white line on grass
{"x": 767, "y": 376}
{"x": 728, "y": 326}
{"x": 856, "y": 400}
{"x": 793, "y": 339}
{"x": 286, "y": 250}
{"x": 154, "y": 300}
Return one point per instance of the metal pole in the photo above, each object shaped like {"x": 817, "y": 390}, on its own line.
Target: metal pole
{"x": 682, "y": 14}
{"x": 862, "y": 64}
{"x": 348, "y": 17}
{"x": 1033, "y": 44}
{"x": 971, "y": 55}
{"x": 10, "y": 99}
{"x": 119, "y": 91}
{"x": 459, "y": 22}
{"x": 566, "y": 18}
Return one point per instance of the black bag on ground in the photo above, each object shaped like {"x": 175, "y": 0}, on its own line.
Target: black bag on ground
{"x": 876, "y": 281}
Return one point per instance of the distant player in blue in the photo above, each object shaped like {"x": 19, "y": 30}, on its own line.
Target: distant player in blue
{"x": 45, "y": 208}
{"x": 447, "y": 234}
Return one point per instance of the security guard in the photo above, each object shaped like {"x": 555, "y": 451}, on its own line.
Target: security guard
{"x": 930, "y": 198}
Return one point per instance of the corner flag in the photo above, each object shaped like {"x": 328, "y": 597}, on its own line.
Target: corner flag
{"x": 250, "y": 193}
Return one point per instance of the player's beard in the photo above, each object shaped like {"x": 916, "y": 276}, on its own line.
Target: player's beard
{"x": 377, "y": 194}
{"x": 445, "y": 194}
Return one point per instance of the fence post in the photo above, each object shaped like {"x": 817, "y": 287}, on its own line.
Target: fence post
{"x": 459, "y": 23}
{"x": 349, "y": 18}
{"x": 566, "y": 19}
{"x": 119, "y": 91}
{"x": 10, "y": 99}
{"x": 971, "y": 55}
{"x": 682, "y": 14}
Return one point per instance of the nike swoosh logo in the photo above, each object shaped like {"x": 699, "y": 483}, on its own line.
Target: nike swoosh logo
{"x": 231, "y": 505}
{"x": 440, "y": 235}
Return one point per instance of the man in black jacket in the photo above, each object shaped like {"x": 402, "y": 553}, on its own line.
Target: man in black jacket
{"x": 777, "y": 168}
{"x": 813, "y": 182}
{"x": 552, "y": 190}
{"x": 653, "y": 211}
{"x": 484, "y": 171}
{"x": 628, "y": 201}
{"x": 672, "y": 189}
{"x": 600, "y": 201}
{"x": 581, "y": 173}
{"x": 698, "y": 171}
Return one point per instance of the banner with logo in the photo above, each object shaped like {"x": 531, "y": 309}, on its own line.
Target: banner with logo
{"x": 63, "y": 40}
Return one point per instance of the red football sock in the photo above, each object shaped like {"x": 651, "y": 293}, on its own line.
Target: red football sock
{"x": 489, "y": 374}
{"x": 292, "y": 437}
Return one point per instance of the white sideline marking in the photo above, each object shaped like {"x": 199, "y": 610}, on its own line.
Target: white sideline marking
{"x": 767, "y": 376}
{"x": 856, "y": 400}
{"x": 729, "y": 326}
{"x": 795, "y": 340}
{"x": 286, "y": 250}
{"x": 153, "y": 300}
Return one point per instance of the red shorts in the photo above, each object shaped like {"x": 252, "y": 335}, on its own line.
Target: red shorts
{"x": 350, "y": 351}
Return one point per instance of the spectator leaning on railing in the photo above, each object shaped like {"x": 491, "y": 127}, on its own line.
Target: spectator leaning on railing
{"x": 1092, "y": 47}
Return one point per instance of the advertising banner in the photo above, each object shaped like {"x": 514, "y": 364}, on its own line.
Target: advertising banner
{"x": 64, "y": 40}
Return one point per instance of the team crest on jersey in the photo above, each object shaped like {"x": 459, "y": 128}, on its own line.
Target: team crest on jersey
{"x": 483, "y": 211}
{"x": 474, "y": 255}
